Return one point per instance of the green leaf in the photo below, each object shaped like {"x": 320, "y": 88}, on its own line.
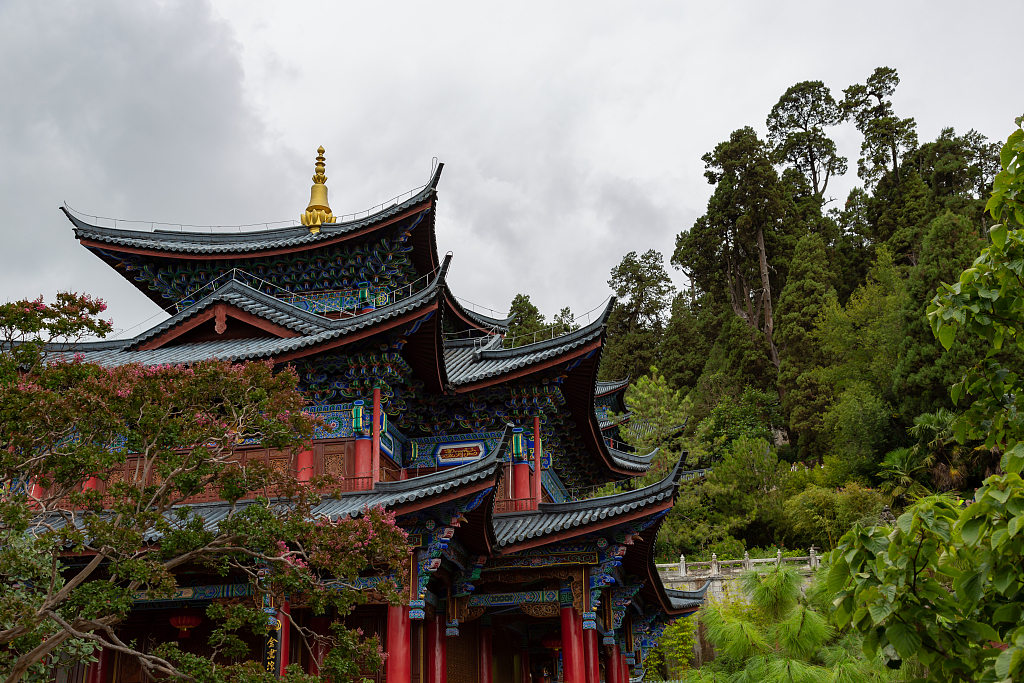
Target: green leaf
{"x": 946, "y": 334}
{"x": 905, "y": 639}
{"x": 1013, "y": 459}
{"x": 998, "y": 233}
{"x": 879, "y": 611}
{"x": 1003, "y": 578}
{"x": 1014, "y": 525}
{"x": 838, "y": 575}
{"x": 972, "y": 530}
{"x": 969, "y": 585}
{"x": 904, "y": 522}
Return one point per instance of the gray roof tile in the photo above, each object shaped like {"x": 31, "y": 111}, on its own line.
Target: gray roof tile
{"x": 113, "y": 353}
{"x": 230, "y": 243}
{"x": 466, "y": 363}
{"x": 511, "y": 529}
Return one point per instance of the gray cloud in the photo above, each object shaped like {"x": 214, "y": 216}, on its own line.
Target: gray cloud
{"x": 571, "y": 133}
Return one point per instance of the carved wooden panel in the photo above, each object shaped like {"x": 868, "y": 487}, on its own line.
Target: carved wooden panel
{"x": 502, "y": 657}
{"x": 462, "y": 655}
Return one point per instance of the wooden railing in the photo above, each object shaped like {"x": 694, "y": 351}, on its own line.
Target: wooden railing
{"x": 335, "y": 459}
{"x": 505, "y": 505}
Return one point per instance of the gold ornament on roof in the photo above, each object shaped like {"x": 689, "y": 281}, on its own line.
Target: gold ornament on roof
{"x": 319, "y": 211}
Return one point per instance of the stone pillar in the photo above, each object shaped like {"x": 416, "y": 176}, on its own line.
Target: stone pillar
{"x": 682, "y": 565}
{"x": 437, "y": 662}
{"x": 572, "y": 645}
{"x": 778, "y": 558}
{"x": 285, "y": 615}
{"x": 714, "y": 564}
{"x": 486, "y": 673}
{"x": 304, "y": 463}
{"x": 376, "y": 435}
{"x": 320, "y": 626}
{"x": 746, "y": 560}
{"x": 591, "y": 647}
{"x": 398, "y": 667}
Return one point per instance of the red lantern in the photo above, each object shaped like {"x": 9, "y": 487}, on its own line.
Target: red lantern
{"x": 552, "y": 643}
{"x": 185, "y": 620}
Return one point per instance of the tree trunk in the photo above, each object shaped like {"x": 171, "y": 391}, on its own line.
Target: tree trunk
{"x": 769, "y": 320}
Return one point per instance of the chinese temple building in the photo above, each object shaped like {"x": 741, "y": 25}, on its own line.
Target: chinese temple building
{"x": 484, "y": 449}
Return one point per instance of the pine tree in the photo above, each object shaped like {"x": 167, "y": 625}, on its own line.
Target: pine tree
{"x": 924, "y": 372}
{"x": 636, "y": 323}
{"x": 688, "y": 337}
{"x": 800, "y": 304}
{"x": 528, "y": 320}
{"x": 904, "y": 220}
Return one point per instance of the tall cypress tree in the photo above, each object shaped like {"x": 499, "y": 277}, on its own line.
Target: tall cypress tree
{"x": 904, "y": 219}
{"x": 688, "y": 337}
{"x": 925, "y": 372}
{"x": 802, "y": 299}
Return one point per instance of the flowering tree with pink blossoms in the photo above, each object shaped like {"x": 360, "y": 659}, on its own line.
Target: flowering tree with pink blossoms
{"x": 72, "y": 556}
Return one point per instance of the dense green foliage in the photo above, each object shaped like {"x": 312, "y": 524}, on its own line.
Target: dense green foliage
{"x": 945, "y": 584}
{"x": 776, "y": 633}
{"x": 72, "y": 555}
{"x": 812, "y": 329}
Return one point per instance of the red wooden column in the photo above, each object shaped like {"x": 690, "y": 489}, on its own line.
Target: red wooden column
{"x": 612, "y": 670}
{"x": 525, "y": 662}
{"x": 537, "y": 495}
{"x": 96, "y": 672}
{"x": 437, "y": 663}
{"x": 304, "y": 463}
{"x": 590, "y": 656}
{"x": 398, "y": 667}
{"x": 90, "y": 484}
{"x": 486, "y": 648}
{"x": 572, "y": 645}
{"x": 376, "y": 434}
{"x": 362, "y": 471}
{"x": 320, "y": 626}
{"x": 285, "y": 615}
{"x": 624, "y": 670}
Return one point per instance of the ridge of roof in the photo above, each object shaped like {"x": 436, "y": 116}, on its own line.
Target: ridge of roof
{"x": 250, "y": 300}
{"x": 554, "y": 517}
{"x": 690, "y": 595}
{"x": 584, "y": 333}
{"x": 229, "y": 242}
{"x": 604, "y": 388}
{"x": 410, "y": 490}
{"x": 632, "y": 461}
{"x": 120, "y": 352}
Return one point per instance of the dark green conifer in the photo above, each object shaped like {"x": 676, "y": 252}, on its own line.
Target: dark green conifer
{"x": 924, "y": 372}
{"x": 800, "y": 303}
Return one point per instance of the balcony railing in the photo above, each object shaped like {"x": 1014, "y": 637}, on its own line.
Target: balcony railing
{"x": 506, "y": 505}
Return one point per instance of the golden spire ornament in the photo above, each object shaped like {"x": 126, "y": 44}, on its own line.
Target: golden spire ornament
{"x": 319, "y": 211}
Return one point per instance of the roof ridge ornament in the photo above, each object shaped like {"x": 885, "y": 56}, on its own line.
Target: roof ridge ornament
{"x": 319, "y": 211}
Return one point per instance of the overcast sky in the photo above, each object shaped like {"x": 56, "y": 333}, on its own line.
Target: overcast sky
{"x": 571, "y": 132}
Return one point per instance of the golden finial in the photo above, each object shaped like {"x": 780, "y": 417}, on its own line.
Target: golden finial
{"x": 319, "y": 211}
